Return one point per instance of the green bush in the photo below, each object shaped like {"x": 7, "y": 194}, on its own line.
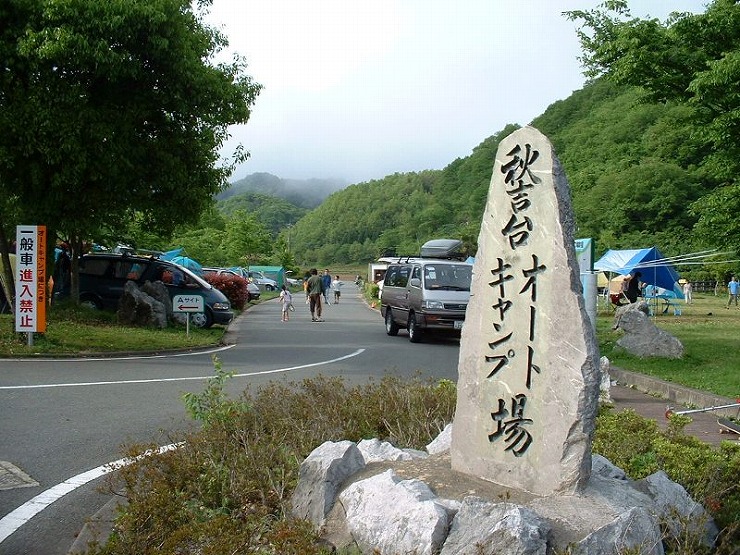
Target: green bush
{"x": 227, "y": 488}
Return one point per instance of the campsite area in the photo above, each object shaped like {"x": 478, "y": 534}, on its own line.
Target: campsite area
{"x": 709, "y": 331}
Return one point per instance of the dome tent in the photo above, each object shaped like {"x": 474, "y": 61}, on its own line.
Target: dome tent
{"x": 656, "y": 270}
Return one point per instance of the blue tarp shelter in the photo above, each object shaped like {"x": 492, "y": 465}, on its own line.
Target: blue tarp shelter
{"x": 655, "y": 268}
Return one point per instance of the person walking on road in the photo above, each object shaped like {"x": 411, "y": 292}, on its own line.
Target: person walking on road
{"x": 732, "y": 290}
{"x": 326, "y": 283}
{"x": 336, "y": 285}
{"x": 286, "y": 300}
{"x": 315, "y": 289}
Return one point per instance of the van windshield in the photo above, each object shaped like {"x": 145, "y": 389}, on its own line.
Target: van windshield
{"x": 449, "y": 277}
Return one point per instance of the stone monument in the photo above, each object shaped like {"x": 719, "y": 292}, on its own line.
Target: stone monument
{"x": 528, "y": 384}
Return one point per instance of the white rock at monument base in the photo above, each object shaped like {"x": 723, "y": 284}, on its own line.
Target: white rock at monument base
{"x": 442, "y": 442}
{"x": 484, "y": 528}
{"x": 321, "y": 475}
{"x": 387, "y": 515}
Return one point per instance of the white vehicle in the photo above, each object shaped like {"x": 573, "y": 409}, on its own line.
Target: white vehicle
{"x": 428, "y": 293}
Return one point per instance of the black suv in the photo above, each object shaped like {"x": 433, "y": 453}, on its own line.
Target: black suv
{"x": 102, "y": 277}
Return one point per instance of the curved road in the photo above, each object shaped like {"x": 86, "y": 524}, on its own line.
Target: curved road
{"x": 60, "y": 419}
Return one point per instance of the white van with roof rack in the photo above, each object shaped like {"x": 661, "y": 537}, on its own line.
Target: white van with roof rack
{"x": 427, "y": 293}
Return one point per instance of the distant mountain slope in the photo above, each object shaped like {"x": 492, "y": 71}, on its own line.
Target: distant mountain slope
{"x": 275, "y": 213}
{"x": 631, "y": 166}
{"x": 305, "y": 193}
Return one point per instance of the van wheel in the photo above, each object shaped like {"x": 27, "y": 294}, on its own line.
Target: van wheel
{"x": 391, "y": 328}
{"x": 201, "y": 319}
{"x": 415, "y": 333}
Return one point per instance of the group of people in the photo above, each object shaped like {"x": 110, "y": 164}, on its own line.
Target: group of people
{"x": 632, "y": 289}
{"x": 315, "y": 287}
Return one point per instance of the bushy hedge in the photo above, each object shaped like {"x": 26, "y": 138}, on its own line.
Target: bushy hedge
{"x": 234, "y": 287}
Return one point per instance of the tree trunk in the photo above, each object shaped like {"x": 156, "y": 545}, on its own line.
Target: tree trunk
{"x": 8, "y": 280}
{"x": 75, "y": 252}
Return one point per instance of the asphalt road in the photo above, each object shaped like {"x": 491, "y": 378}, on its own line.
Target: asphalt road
{"x": 60, "y": 419}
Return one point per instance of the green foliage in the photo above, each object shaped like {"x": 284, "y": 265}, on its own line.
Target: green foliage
{"x": 213, "y": 406}
{"x": 82, "y": 330}
{"x": 227, "y": 489}
{"x": 691, "y": 60}
{"x": 112, "y": 111}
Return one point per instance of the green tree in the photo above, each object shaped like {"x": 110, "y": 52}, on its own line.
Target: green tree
{"x": 692, "y": 60}
{"x": 247, "y": 241}
{"x": 115, "y": 110}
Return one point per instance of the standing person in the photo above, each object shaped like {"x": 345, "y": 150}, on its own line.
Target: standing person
{"x": 286, "y": 300}
{"x": 688, "y": 291}
{"x": 326, "y": 283}
{"x": 315, "y": 289}
{"x": 732, "y": 290}
{"x": 336, "y": 285}
{"x": 633, "y": 287}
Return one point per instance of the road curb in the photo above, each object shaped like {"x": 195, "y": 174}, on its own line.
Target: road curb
{"x": 677, "y": 394}
{"x": 98, "y": 527}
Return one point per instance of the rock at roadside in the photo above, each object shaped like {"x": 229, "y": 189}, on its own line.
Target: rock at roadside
{"x": 413, "y": 522}
{"x": 384, "y": 508}
{"x": 136, "y": 308}
{"x": 158, "y": 290}
{"x": 642, "y": 337}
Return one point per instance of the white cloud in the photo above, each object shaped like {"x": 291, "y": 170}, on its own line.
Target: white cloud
{"x": 360, "y": 90}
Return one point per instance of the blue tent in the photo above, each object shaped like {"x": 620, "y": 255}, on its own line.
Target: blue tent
{"x": 655, "y": 268}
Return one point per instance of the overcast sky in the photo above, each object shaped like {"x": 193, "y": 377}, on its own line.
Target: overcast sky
{"x": 358, "y": 90}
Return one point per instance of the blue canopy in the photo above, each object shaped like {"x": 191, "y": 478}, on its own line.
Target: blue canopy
{"x": 655, "y": 268}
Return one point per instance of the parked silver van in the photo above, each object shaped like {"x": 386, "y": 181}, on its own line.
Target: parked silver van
{"x": 428, "y": 293}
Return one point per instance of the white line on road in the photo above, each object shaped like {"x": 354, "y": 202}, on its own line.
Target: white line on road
{"x": 188, "y": 378}
{"x": 127, "y": 357}
{"x": 18, "y": 517}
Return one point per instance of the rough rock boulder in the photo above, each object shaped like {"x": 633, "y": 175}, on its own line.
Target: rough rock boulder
{"x": 642, "y": 337}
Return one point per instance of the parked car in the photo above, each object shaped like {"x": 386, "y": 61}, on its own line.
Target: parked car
{"x": 103, "y": 276}
{"x": 430, "y": 292}
{"x": 252, "y": 289}
{"x": 257, "y": 277}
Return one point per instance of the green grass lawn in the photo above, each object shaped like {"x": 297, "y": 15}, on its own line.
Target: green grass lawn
{"x": 710, "y": 334}
{"x": 85, "y": 331}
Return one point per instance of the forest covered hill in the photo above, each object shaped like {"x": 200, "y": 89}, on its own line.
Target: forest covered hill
{"x": 631, "y": 165}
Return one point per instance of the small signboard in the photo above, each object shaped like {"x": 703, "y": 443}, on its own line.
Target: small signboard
{"x": 188, "y": 303}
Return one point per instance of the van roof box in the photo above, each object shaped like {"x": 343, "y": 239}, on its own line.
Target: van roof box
{"x": 442, "y": 248}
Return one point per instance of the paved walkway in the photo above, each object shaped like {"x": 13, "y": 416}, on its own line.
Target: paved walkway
{"x": 651, "y": 398}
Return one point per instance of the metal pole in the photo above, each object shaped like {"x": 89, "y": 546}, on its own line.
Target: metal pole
{"x": 670, "y": 412}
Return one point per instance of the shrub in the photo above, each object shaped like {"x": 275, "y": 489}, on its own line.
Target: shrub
{"x": 227, "y": 489}
{"x": 234, "y": 287}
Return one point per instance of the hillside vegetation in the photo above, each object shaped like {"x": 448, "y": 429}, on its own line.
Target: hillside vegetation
{"x": 631, "y": 166}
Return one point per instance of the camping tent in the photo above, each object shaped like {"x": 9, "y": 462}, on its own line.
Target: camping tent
{"x": 655, "y": 269}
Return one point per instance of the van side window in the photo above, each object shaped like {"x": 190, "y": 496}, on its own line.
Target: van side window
{"x": 397, "y": 276}
{"x": 416, "y": 273}
{"x": 97, "y": 267}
